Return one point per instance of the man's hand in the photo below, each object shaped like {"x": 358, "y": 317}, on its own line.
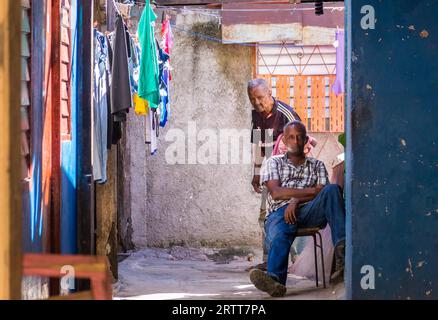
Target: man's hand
{"x": 290, "y": 214}
{"x": 256, "y": 183}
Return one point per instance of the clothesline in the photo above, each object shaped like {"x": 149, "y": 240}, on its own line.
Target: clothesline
{"x": 199, "y": 10}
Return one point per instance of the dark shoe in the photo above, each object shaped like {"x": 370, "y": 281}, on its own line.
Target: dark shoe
{"x": 265, "y": 283}
{"x": 262, "y": 266}
{"x": 338, "y": 275}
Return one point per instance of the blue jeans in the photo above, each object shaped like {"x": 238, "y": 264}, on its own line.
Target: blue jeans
{"x": 328, "y": 206}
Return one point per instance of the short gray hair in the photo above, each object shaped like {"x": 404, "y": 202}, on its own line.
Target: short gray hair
{"x": 257, "y": 83}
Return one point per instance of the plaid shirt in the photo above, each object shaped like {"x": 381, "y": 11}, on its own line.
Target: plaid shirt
{"x": 310, "y": 174}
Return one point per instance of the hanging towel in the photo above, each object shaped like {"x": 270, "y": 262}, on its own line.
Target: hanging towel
{"x": 148, "y": 86}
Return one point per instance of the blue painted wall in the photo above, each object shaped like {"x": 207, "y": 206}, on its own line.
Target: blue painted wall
{"x": 392, "y": 164}
{"x": 69, "y": 150}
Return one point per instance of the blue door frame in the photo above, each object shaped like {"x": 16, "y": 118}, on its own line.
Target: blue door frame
{"x": 391, "y": 158}
{"x": 77, "y": 217}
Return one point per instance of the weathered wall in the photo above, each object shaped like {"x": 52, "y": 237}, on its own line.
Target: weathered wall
{"x": 327, "y": 149}
{"x": 195, "y": 203}
{"x": 106, "y": 214}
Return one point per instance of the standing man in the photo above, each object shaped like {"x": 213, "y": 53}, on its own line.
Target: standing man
{"x": 269, "y": 117}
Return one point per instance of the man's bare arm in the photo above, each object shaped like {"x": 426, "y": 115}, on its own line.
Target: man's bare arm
{"x": 302, "y": 195}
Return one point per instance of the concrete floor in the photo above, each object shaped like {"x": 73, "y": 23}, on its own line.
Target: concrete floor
{"x": 188, "y": 273}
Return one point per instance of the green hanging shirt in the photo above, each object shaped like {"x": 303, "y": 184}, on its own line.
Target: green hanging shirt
{"x": 148, "y": 85}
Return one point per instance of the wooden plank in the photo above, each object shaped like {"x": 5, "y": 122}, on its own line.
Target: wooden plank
{"x": 318, "y": 104}
{"x": 84, "y": 295}
{"x": 10, "y": 173}
{"x": 300, "y": 97}
{"x": 203, "y": 2}
{"x": 65, "y": 72}
{"x": 65, "y": 17}
{"x": 65, "y": 127}
{"x": 64, "y": 90}
{"x": 283, "y": 89}
{"x": 337, "y": 109}
{"x": 25, "y": 148}
{"x": 65, "y": 109}
{"x": 55, "y": 109}
{"x": 235, "y": 13}
{"x": 65, "y": 35}
{"x": 65, "y": 53}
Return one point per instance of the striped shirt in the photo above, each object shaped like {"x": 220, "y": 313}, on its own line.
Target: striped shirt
{"x": 310, "y": 174}
{"x": 266, "y": 131}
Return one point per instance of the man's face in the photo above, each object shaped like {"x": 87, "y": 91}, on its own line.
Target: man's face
{"x": 295, "y": 140}
{"x": 261, "y": 99}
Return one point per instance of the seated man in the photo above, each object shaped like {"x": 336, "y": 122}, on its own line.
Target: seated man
{"x": 300, "y": 196}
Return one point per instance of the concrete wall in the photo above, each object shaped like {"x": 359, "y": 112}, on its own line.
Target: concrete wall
{"x": 196, "y": 204}
{"x": 106, "y": 214}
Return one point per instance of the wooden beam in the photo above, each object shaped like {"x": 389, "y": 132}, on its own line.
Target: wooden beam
{"x": 55, "y": 109}
{"x": 203, "y": 2}
{"x": 206, "y": 2}
{"x": 10, "y": 195}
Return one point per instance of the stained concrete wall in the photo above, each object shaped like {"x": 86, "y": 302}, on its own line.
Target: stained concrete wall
{"x": 196, "y": 204}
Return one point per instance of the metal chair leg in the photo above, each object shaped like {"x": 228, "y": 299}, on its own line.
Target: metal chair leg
{"x": 316, "y": 260}
{"x": 322, "y": 259}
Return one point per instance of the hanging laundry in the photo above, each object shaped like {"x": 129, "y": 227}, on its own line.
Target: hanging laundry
{"x": 148, "y": 87}
{"x": 164, "y": 86}
{"x": 152, "y": 131}
{"x": 141, "y": 106}
{"x": 101, "y": 80}
{"x": 114, "y": 128}
{"x": 167, "y": 39}
{"x": 121, "y": 99}
{"x": 166, "y": 36}
{"x": 339, "y": 85}
{"x": 134, "y": 65}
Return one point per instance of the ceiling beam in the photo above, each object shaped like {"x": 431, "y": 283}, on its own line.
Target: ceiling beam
{"x": 206, "y": 2}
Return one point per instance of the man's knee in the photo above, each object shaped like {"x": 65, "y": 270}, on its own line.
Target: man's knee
{"x": 331, "y": 189}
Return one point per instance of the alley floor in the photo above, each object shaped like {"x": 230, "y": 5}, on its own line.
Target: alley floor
{"x": 189, "y": 273}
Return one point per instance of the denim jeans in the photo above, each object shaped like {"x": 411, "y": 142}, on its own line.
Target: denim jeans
{"x": 262, "y": 219}
{"x": 327, "y": 207}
